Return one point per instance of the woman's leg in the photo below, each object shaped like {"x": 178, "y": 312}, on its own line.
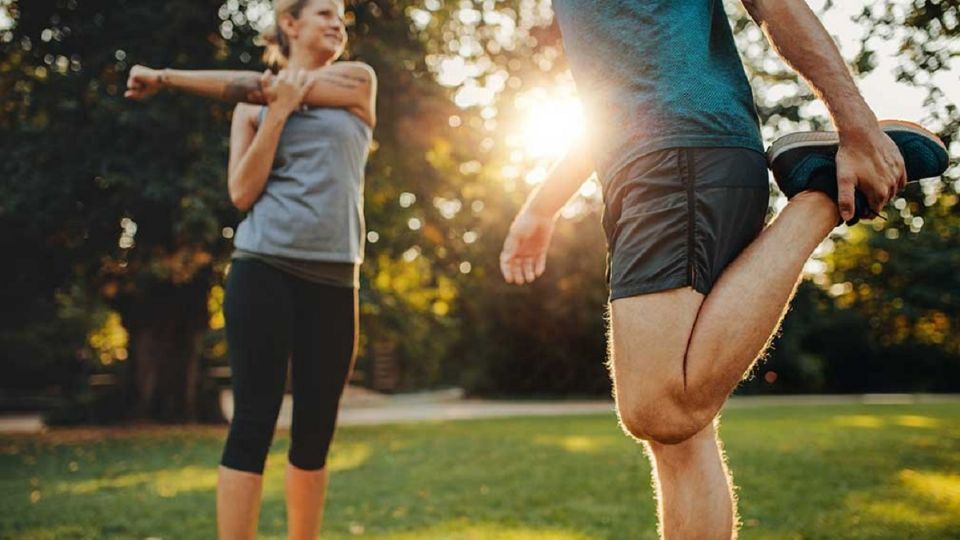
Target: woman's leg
{"x": 325, "y": 343}
{"x": 238, "y": 503}
{"x": 306, "y": 492}
{"x": 259, "y": 316}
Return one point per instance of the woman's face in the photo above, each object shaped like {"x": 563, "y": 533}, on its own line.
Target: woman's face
{"x": 320, "y": 27}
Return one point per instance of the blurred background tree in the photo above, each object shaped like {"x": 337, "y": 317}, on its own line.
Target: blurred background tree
{"x": 119, "y": 228}
{"x": 114, "y": 206}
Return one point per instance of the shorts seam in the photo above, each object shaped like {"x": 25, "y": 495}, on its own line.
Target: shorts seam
{"x": 686, "y": 170}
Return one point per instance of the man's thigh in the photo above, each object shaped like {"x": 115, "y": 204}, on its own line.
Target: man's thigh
{"x": 649, "y": 338}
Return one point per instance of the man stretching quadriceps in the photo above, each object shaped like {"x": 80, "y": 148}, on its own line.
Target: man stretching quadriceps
{"x": 697, "y": 283}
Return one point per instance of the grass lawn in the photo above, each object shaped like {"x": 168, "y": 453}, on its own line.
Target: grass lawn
{"x": 825, "y": 472}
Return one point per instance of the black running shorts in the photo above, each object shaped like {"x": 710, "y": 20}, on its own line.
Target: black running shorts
{"x": 677, "y": 217}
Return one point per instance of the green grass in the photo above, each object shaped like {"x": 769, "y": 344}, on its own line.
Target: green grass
{"x": 814, "y": 472}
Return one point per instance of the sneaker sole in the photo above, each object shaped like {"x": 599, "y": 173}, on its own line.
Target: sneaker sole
{"x": 821, "y": 138}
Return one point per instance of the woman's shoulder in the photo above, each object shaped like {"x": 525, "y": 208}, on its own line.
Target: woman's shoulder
{"x": 358, "y": 77}
{"x": 360, "y": 71}
{"x": 354, "y": 65}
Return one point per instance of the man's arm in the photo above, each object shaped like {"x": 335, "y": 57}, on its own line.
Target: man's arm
{"x": 524, "y": 255}
{"x": 867, "y": 159}
{"x": 561, "y": 183}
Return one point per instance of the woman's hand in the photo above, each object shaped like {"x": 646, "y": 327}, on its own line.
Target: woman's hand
{"x": 285, "y": 91}
{"x": 143, "y": 82}
{"x": 524, "y": 255}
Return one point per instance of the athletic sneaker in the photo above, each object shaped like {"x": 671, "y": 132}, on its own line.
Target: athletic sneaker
{"x": 807, "y": 160}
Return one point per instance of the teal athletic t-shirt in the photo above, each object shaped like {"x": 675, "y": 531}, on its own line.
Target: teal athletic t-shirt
{"x": 655, "y": 74}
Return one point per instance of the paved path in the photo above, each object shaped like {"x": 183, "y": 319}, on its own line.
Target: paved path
{"x": 354, "y": 416}
{"x": 449, "y": 406}
{"x": 21, "y": 423}
{"x": 366, "y": 408}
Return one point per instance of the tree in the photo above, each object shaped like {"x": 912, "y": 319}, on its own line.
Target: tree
{"x": 126, "y": 200}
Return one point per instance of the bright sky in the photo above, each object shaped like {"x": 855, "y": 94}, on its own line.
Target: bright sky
{"x": 5, "y": 20}
{"x": 883, "y": 93}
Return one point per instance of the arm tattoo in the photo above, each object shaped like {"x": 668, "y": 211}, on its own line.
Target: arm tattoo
{"x": 355, "y": 78}
{"x": 344, "y": 81}
{"x": 243, "y": 89}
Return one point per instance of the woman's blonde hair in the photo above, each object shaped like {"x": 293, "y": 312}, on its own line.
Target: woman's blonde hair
{"x": 278, "y": 44}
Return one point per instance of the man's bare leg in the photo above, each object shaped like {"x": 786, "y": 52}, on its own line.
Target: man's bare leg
{"x": 750, "y": 298}
{"x": 691, "y": 491}
{"x": 694, "y": 491}
{"x": 678, "y": 354}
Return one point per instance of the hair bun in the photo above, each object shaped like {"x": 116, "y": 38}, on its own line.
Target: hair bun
{"x": 271, "y": 36}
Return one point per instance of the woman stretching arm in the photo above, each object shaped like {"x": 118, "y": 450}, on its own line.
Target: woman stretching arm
{"x": 291, "y": 291}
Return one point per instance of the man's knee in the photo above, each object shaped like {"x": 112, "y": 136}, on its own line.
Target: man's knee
{"x": 661, "y": 416}
{"x": 651, "y": 347}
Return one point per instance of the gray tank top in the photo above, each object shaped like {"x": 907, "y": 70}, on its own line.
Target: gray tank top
{"x": 312, "y": 206}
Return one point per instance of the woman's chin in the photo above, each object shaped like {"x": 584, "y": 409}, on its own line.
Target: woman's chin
{"x": 328, "y": 50}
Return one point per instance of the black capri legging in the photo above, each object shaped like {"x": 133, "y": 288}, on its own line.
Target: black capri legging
{"x": 273, "y": 317}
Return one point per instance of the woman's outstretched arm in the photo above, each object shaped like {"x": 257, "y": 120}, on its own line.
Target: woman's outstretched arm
{"x": 348, "y": 85}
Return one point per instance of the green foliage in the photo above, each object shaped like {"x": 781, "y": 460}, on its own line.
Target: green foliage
{"x": 545, "y": 338}
{"x": 885, "y": 318}
{"x": 124, "y": 204}
{"x": 125, "y": 201}
{"x": 407, "y": 296}
{"x": 901, "y": 274}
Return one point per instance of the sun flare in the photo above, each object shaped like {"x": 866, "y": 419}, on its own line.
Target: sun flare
{"x": 552, "y": 122}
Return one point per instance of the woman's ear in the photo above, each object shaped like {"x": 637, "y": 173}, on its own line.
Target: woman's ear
{"x": 288, "y": 25}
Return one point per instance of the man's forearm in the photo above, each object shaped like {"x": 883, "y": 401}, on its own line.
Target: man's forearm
{"x": 798, "y": 36}
{"x": 561, "y": 183}
{"x": 230, "y": 86}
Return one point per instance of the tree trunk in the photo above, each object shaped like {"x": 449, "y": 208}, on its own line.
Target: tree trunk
{"x": 167, "y": 324}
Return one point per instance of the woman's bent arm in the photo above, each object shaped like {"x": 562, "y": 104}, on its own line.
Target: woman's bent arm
{"x": 252, "y": 149}
{"x": 253, "y": 146}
